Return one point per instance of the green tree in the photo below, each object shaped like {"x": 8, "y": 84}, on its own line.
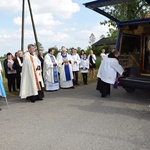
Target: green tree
{"x": 92, "y": 39}
{"x": 78, "y": 50}
{"x": 125, "y": 11}
{"x": 96, "y": 50}
{"x": 102, "y": 36}
{"x": 55, "y": 51}
{"x": 40, "y": 47}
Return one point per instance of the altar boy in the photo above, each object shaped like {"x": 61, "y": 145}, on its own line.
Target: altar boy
{"x": 84, "y": 66}
{"x": 107, "y": 73}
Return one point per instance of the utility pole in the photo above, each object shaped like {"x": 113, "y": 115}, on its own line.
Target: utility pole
{"x": 22, "y": 32}
{"x": 35, "y": 36}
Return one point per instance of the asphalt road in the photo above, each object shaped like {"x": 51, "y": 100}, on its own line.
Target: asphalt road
{"x": 77, "y": 119}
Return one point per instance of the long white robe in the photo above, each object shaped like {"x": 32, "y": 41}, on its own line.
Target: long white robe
{"x": 28, "y": 79}
{"x": 48, "y": 73}
{"x": 75, "y": 66}
{"x": 63, "y": 82}
{"x": 108, "y": 70}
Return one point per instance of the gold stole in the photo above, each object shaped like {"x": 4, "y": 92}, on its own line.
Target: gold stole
{"x": 35, "y": 75}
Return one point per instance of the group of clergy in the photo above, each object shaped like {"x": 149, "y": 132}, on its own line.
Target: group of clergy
{"x": 56, "y": 72}
{"x": 60, "y": 72}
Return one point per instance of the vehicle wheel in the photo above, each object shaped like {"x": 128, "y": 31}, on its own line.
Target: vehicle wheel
{"x": 130, "y": 90}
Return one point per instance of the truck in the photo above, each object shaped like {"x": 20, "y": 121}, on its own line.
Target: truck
{"x": 133, "y": 43}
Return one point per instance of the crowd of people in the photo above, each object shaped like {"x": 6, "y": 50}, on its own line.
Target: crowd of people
{"x": 29, "y": 72}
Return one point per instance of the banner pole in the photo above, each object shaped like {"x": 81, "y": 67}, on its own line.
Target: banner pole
{"x": 6, "y": 102}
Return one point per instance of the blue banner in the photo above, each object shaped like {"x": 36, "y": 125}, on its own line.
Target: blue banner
{"x": 2, "y": 90}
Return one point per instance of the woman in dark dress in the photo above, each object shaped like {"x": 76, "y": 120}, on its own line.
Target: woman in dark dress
{"x": 10, "y": 72}
{"x": 92, "y": 63}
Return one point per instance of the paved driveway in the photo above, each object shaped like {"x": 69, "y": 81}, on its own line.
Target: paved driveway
{"x": 77, "y": 119}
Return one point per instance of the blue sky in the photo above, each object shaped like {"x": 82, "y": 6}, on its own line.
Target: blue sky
{"x": 65, "y": 22}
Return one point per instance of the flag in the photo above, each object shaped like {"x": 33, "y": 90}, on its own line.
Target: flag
{"x": 2, "y": 90}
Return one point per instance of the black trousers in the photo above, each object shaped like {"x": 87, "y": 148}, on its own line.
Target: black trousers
{"x": 36, "y": 97}
{"x": 11, "y": 82}
{"x": 18, "y": 79}
{"x": 84, "y": 76}
{"x": 75, "y": 76}
{"x": 103, "y": 87}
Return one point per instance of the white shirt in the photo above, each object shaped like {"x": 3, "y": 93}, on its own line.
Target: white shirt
{"x": 84, "y": 65}
{"x": 108, "y": 70}
{"x": 75, "y": 66}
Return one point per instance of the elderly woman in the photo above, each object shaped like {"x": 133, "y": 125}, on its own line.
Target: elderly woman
{"x": 10, "y": 73}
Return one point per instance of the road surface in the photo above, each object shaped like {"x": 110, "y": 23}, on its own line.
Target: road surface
{"x": 77, "y": 119}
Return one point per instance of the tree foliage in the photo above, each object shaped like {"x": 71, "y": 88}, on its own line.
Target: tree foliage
{"x": 125, "y": 11}
{"x": 92, "y": 39}
{"x": 96, "y": 50}
{"x": 40, "y": 47}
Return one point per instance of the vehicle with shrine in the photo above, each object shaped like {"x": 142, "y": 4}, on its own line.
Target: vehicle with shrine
{"x": 133, "y": 43}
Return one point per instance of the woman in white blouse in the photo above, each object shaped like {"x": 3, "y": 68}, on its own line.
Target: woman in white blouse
{"x": 92, "y": 63}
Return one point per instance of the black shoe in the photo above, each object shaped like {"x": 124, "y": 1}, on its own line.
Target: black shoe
{"x": 105, "y": 96}
{"x": 0, "y": 109}
{"x": 72, "y": 87}
{"x": 27, "y": 98}
{"x": 77, "y": 84}
{"x": 32, "y": 101}
{"x": 39, "y": 99}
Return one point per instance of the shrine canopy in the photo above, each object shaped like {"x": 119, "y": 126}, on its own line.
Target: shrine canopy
{"x": 103, "y": 7}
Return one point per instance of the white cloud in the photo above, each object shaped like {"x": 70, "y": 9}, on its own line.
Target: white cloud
{"x": 45, "y": 32}
{"x": 39, "y": 19}
{"x": 53, "y": 21}
{"x": 59, "y": 37}
{"x": 69, "y": 29}
{"x": 17, "y": 21}
{"x": 10, "y": 6}
{"x": 99, "y": 30}
{"x": 8, "y": 36}
{"x": 81, "y": 38}
{"x": 61, "y": 8}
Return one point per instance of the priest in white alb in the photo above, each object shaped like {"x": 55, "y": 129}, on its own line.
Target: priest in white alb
{"x": 65, "y": 69}
{"x": 31, "y": 80}
{"x": 50, "y": 71}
